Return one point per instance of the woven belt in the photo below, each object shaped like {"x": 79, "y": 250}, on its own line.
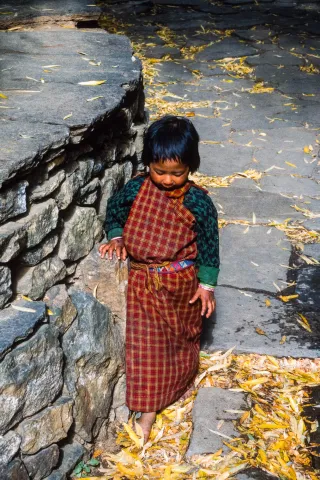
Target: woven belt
{"x": 173, "y": 266}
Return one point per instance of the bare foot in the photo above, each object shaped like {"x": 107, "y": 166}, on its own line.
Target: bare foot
{"x": 146, "y": 421}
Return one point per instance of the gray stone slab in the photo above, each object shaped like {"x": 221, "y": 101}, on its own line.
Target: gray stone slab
{"x": 71, "y": 455}
{"x": 223, "y": 160}
{"x": 261, "y": 254}
{"x": 312, "y": 250}
{"x": 23, "y": 144}
{"x": 24, "y": 54}
{"x": 274, "y": 147}
{"x": 16, "y": 325}
{"x": 275, "y": 57}
{"x": 313, "y": 224}
{"x": 287, "y": 184}
{"x": 209, "y": 408}
{"x": 238, "y": 315}
{"x": 229, "y": 47}
{"x": 289, "y": 80}
{"x": 239, "y": 203}
{"x": 173, "y": 71}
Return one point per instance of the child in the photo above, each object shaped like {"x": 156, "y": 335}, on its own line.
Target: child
{"x": 168, "y": 227}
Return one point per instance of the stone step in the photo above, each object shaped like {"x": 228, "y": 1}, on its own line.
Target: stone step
{"x": 211, "y": 406}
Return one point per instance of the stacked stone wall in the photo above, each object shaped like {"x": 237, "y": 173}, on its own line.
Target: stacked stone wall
{"x": 62, "y": 309}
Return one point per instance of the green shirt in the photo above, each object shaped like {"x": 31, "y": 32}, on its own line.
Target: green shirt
{"x": 206, "y": 225}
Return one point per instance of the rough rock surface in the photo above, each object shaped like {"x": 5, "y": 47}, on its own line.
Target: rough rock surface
{"x": 16, "y": 325}
{"x": 47, "y": 427}
{"x": 63, "y": 311}
{"x": 107, "y": 278}
{"x": 94, "y": 359}
{"x": 40, "y": 221}
{"x": 34, "y": 281}
{"x": 35, "y": 255}
{"x": 42, "y": 463}
{"x": 5, "y": 285}
{"x": 15, "y": 470}
{"x": 9, "y": 445}
{"x": 80, "y": 232}
{"x": 209, "y": 408}
{"x": 71, "y": 455}
{"x": 13, "y": 202}
{"x": 60, "y": 93}
{"x": 30, "y": 377}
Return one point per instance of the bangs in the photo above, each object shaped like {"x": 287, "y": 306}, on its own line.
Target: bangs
{"x": 172, "y": 138}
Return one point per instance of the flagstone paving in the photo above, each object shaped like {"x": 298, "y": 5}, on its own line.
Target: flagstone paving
{"x": 248, "y": 74}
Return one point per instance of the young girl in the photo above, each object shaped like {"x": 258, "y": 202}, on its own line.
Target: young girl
{"x": 168, "y": 227}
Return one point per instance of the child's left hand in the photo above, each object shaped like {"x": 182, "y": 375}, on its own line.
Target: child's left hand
{"x": 207, "y": 300}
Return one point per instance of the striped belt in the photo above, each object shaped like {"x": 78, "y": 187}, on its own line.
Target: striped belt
{"x": 172, "y": 267}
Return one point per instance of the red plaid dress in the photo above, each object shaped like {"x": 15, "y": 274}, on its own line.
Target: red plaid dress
{"x": 163, "y": 329}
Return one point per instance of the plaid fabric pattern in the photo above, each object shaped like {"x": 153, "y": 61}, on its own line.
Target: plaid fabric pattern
{"x": 163, "y": 329}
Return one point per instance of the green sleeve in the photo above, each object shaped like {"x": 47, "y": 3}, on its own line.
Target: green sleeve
{"x": 118, "y": 207}
{"x": 200, "y": 205}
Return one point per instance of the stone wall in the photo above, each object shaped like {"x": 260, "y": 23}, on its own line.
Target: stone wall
{"x": 61, "y": 348}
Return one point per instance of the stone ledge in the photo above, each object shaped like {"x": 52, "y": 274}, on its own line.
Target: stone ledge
{"x": 21, "y": 13}
{"x": 37, "y": 118}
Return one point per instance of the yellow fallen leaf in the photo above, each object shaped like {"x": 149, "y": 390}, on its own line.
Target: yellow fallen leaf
{"x": 260, "y": 331}
{"x": 256, "y": 381}
{"x": 304, "y": 322}
{"x": 67, "y": 116}
{"x": 271, "y": 425}
{"x": 26, "y": 298}
{"x": 190, "y": 114}
{"x": 306, "y": 149}
{"x": 134, "y": 437}
{"x": 283, "y": 339}
{"x": 49, "y": 312}
{"x": 94, "y": 98}
{"x": 268, "y": 303}
{"x": 2, "y": 95}
{"x": 92, "y": 83}
{"x": 291, "y": 164}
{"x": 287, "y": 298}
{"x": 244, "y": 417}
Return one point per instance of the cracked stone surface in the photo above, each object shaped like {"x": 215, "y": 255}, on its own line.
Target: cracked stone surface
{"x": 260, "y": 268}
{"x": 28, "y": 133}
{"x": 273, "y": 132}
{"x": 240, "y": 312}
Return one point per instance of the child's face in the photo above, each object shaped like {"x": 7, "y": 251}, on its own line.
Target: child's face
{"x": 169, "y": 174}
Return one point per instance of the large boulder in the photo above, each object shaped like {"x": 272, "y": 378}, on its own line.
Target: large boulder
{"x": 42, "y": 463}
{"x": 47, "y": 427}
{"x": 16, "y": 325}
{"x": 93, "y": 349}
{"x": 80, "y": 232}
{"x": 34, "y": 281}
{"x": 30, "y": 377}
{"x": 108, "y": 279}
{"x": 63, "y": 312}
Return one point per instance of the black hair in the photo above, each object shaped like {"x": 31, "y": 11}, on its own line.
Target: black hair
{"x": 172, "y": 138}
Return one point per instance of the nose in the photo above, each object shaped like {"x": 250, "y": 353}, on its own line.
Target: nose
{"x": 167, "y": 181}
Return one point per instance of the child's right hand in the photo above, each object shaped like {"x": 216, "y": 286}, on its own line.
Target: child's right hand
{"x": 116, "y": 245}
